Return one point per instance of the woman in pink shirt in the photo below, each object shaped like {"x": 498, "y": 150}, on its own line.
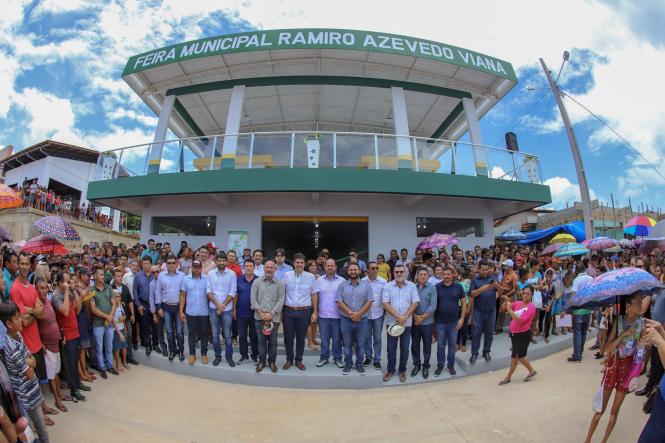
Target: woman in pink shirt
{"x": 522, "y": 313}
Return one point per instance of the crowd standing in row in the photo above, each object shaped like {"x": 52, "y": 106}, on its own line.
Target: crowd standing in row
{"x": 65, "y": 316}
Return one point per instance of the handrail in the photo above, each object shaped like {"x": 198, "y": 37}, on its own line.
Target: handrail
{"x": 365, "y": 134}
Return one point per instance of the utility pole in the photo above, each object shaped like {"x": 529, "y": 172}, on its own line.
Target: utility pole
{"x": 577, "y": 158}
{"x": 614, "y": 216}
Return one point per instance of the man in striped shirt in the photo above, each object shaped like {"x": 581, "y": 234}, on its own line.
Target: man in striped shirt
{"x": 400, "y": 300}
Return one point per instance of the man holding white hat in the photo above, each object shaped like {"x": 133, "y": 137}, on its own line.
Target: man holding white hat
{"x": 400, "y": 300}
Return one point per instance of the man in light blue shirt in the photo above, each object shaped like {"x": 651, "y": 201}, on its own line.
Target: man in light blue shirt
{"x": 10, "y": 271}
{"x": 281, "y": 266}
{"x": 375, "y": 330}
{"x": 222, "y": 289}
{"x": 167, "y": 299}
{"x": 423, "y": 322}
{"x": 194, "y": 309}
{"x": 354, "y": 298}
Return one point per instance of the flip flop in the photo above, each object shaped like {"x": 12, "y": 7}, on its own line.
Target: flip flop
{"x": 51, "y": 411}
{"x": 48, "y": 421}
{"x": 504, "y": 382}
{"x": 62, "y": 408}
{"x": 530, "y": 376}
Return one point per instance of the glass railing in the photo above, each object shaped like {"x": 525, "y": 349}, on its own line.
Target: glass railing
{"x": 319, "y": 150}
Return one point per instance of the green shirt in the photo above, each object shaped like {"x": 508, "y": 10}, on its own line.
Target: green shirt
{"x": 103, "y": 303}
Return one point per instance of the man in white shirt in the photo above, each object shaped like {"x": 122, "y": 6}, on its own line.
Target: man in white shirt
{"x": 300, "y": 310}
{"x": 581, "y": 316}
{"x": 404, "y": 260}
{"x": 257, "y": 257}
{"x": 222, "y": 289}
{"x": 373, "y": 342}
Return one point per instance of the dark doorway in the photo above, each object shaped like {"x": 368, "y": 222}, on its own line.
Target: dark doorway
{"x": 311, "y": 234}
{"x": 65, "y": 192}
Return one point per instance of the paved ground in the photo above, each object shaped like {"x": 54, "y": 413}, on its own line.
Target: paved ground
{"x": 149, "y": 405}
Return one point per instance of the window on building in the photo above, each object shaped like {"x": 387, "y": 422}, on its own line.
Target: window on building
{"x": 186, "y": 225}
{"x": 459, "y": 227}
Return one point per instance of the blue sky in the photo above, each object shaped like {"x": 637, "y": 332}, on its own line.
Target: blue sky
{"x": 60, "y": 66}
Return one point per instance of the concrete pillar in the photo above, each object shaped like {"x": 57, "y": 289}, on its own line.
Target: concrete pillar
{"x": 233, "y": 120}
{"x": 479, "y": 153}
{"x": 155, "y": 153}
{"x": 116, "y": 219}
{"x": 404, "y": 157}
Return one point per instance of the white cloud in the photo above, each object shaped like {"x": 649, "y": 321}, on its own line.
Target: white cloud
{"x": 564, "y": 192}
{"x": 146, "y": 120}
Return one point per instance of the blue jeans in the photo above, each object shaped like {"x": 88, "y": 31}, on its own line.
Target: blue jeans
{"x": 446, "y": 334}
{"x": 391, "y": 348}
{"x": 373, "y": 341}
{"x": 224, "y": 322}
{"x": 421, "y": 333}
{"x": 246, "y": 326}
{"x": 354, "y": 333}
{"x": 329, "y": 328}
{"x": 296, "y": 323}
{"x": 173, "y": 324}
{"x": 483, "y": 323}
{"x": 104, "y": 346}
{"x": 580, "y": 327}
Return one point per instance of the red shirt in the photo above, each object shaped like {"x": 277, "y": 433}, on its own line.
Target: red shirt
{"x": 68, "y": 323}
{"x": 235, "y": 268}
{"x": 26, "y": 296}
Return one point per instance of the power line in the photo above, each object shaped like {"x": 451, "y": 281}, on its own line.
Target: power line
{"x": 519, "y": 122}
{"x": 615, "y": 133}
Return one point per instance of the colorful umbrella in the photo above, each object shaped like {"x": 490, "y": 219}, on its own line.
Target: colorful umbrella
{"x": 9, "y": 198}
{"x": 436, "y": 241}
{"x": 57, "y": 227}
{"x": 613, "y": 284}
{"x": 551, "y": 249}
{"x": 600, "y": 243}
{"x": 4, "y": 235}
{"x": 571, "y": 249}
{"x": 641, "y": 220}
{"x": 626, "y": 244}
{"x": 511, "y": 235}
{"x": 43, "y": 244}
{"x": 613, "y": 249}
{"x": 563, "y": 238}
{"x": 636, "y": 230}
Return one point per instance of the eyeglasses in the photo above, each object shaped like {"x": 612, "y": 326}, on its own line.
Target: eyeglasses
{"x": 279, "y": 255}
{"x": 170, "y": 263}
{"x": 399, "y": 272}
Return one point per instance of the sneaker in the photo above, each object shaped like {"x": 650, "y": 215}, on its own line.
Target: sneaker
{"x": 473, "y": 359}
{"x": 438, "y": 371}
{"x": 230, "y": 361}
{"x": 171, "y": 356}
{"x": 103, "y": 374}
{"x": 242, "y": 359}
{"x": 360, "y": 369}
{"x": 574, "y": 360}
{"x": 346, "y": 370}
{"x": 594, "y": 347}
{"x": 113, "y": 371}
{"x": 452, "y": 371}
{"x": 181, "y": 356}
{"x": 367, "y": 362}
{"x": 377, "y": 365}
{"x": 339, "y": 364}
{"x": 322, "y": 362}
{"x": 217, "y": 361}
{"x": 487, "y": 356}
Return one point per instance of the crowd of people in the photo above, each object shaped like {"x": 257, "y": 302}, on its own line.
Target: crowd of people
{"x": 47, "y": 200}
{"x": 63, "y": 317}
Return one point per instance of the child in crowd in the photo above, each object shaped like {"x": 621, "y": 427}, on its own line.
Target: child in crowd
{"x": 119, "y": 340}
{"x": 21, "y": 368}
{"x": 545, "y": 313}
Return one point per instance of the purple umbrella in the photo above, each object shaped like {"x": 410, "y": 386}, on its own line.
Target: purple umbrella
{"x": 437, "y": 241}
{"x": 627, "y": 244}
{"x": 551, "y": 249}
{"x": 57, "y": 227}
{"x": 613, "y": 284}
{"x": 4, "y": 235}
{"x": 600, "y": 243}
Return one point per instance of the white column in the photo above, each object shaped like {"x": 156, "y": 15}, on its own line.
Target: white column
{"x": 116, "y": 219}
{"x": 479, "y": 153}
{"x": 155, "y": 154}
{"x": 401, "y": 122}
{"x": 233, "y": 120}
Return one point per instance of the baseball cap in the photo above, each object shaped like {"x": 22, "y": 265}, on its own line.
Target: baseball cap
{"x": 196, "y": 263}
{"x": 508, "y": 262}
{"x": 211, "y": 245}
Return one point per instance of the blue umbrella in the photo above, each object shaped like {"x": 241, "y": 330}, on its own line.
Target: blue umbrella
{"x": 511, "y": 235}
{"x": 571, "y": 249}
{"x": 637, "y": 230}
{"x": 608, "y": 286}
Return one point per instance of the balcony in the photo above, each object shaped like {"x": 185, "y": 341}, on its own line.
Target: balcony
{"x": 319, "y": 150}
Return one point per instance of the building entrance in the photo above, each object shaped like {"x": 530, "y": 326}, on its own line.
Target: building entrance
{"x": 310, "y": 235}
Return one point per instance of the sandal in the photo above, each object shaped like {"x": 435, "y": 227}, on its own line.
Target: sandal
{"x": 66, "y": 397}
{"x": 504, "y": 382}
{"x": 48, "y": 421}
{"x": 51, "y": 411}
{"x": 530, "y": 376}
{"x": 62, "y": 407}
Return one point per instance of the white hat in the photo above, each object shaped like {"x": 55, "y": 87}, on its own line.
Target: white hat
{"x": 508, "y": 262}
{"x": 396, "y": 330}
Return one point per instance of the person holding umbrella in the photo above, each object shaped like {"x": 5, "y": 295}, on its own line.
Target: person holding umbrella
{"x": 623, "y": 350}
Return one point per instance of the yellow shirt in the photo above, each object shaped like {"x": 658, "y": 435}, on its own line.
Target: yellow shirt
{"x": 383, "y": 270}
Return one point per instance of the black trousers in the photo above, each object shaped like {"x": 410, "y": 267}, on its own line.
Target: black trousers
{"x": 656, "y": 369}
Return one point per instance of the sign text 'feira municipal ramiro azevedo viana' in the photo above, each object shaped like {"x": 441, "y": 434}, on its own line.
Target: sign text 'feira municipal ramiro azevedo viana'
{"x": 319, "y": 39}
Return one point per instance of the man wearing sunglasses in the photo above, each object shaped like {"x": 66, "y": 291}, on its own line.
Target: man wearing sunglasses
{"x": 281, "y": 266}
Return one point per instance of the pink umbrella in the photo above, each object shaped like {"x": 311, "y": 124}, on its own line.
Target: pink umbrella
{"x": 437, "y": 241}
{"x": 551, "y": 249}
{"x": 600, "y": 243}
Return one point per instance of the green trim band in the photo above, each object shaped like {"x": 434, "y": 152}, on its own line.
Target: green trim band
{"x": 188, "y": 119}
{"x": 317, "y": 80}
{"x": 318, "y": 180}
{"x": 448, "y": 121}
{"x": 317, "y": 38}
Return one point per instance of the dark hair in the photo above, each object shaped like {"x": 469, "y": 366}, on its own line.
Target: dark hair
{"x": 7, "y": 311}
{"x": 116, "y": 270}
{"x": 39, "y": 280}
{"x": 351, "y": 264}
{"x": 171, "y": 256}
{"x": 146, "y": 258}
{"x": 257, "y": 250}
{"x": 404, "y": 249}
{"x": 530, "y": 288}
{"x": 484, "y": 263}
{"x": 248, "y": 261}
{"x": 280, "y": 251}
{"x": 60, "y": 277}
{"x": 447, "y": 268}
{"x": 23, "y": 254}
{"x": 299, "y": 256}
{"x": 7, "y": 256}
{"x": 151, "y": 240}
{"x": 422, "y": 268}
{"x": 221, "y": 254}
